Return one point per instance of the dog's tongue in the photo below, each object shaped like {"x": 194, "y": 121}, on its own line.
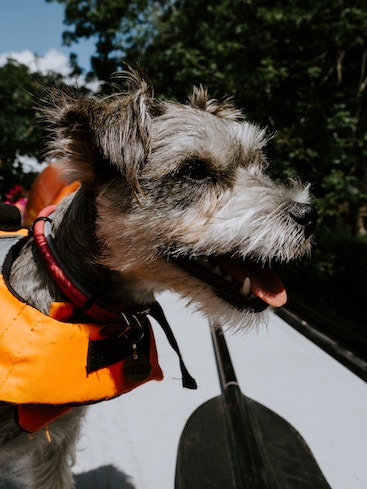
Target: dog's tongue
{"x": 264, "y": 283}
{"x": 267, "y": 285}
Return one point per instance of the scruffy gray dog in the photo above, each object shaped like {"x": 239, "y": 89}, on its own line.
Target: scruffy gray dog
{"x": 172, "y": 197}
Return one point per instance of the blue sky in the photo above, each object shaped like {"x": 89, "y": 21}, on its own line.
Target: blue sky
{"x": 37, "y": 26}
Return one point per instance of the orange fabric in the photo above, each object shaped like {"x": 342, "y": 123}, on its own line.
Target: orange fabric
{"x": 20, "y": 233}
{"x": 43, "y": 360}
{"x": 50, "y": 187}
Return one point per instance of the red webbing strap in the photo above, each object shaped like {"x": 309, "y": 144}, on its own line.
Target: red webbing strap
{"x": 31, "y": 417}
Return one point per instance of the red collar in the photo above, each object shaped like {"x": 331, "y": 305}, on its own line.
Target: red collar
{"x": 76, "y": 293}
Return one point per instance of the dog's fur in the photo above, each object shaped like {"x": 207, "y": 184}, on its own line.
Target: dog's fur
{"x": 160, "y": 181}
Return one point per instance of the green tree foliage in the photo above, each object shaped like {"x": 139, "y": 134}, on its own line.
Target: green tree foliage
{"x": 20, "y": 132}
{"x": 299, "y": 67}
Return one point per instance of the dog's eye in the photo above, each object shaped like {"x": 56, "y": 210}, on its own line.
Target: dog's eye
{"x": 195, "y": 169}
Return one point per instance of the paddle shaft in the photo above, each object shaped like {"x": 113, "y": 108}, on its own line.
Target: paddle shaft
{"x": 251, "y": 470}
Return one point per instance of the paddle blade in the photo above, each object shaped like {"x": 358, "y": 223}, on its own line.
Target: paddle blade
{"x": 205, "y": 459}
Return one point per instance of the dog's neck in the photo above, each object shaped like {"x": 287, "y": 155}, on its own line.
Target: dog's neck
{"x": 74, "y": 230}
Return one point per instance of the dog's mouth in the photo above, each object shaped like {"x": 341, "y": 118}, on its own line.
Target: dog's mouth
{"x": 242, "y": 283}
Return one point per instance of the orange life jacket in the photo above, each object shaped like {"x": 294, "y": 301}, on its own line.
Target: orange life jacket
{"x": 48, "y": 365}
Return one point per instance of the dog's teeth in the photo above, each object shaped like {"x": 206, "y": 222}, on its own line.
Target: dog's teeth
{"x": 217, "y": 271}
{"x": 246, "y": 287}
{"x": 203, "y": 261}
{"x": 211, "y": 265}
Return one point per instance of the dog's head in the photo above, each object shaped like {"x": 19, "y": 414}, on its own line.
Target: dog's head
{"x": 182, "y": 198}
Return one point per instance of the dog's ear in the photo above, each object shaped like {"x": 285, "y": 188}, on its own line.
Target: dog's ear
{"x": 89, "y": 131}
{"x": 225, "y": 109}
{"x": 122, "y": 133}
{"x": 70, "y": 145}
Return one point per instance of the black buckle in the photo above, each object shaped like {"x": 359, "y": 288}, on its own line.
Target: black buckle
{"x": 131, "y": 326}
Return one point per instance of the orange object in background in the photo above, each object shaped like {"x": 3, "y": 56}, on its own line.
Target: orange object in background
{"x": 50, "y": 187}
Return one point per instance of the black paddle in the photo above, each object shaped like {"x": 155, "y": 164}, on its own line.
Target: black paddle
{"x": 233, "y": 442}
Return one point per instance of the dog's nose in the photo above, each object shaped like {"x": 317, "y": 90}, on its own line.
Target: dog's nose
{"x": 305, "y": 215}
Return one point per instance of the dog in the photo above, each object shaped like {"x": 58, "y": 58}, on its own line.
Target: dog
{"x": 172, "y": 197}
